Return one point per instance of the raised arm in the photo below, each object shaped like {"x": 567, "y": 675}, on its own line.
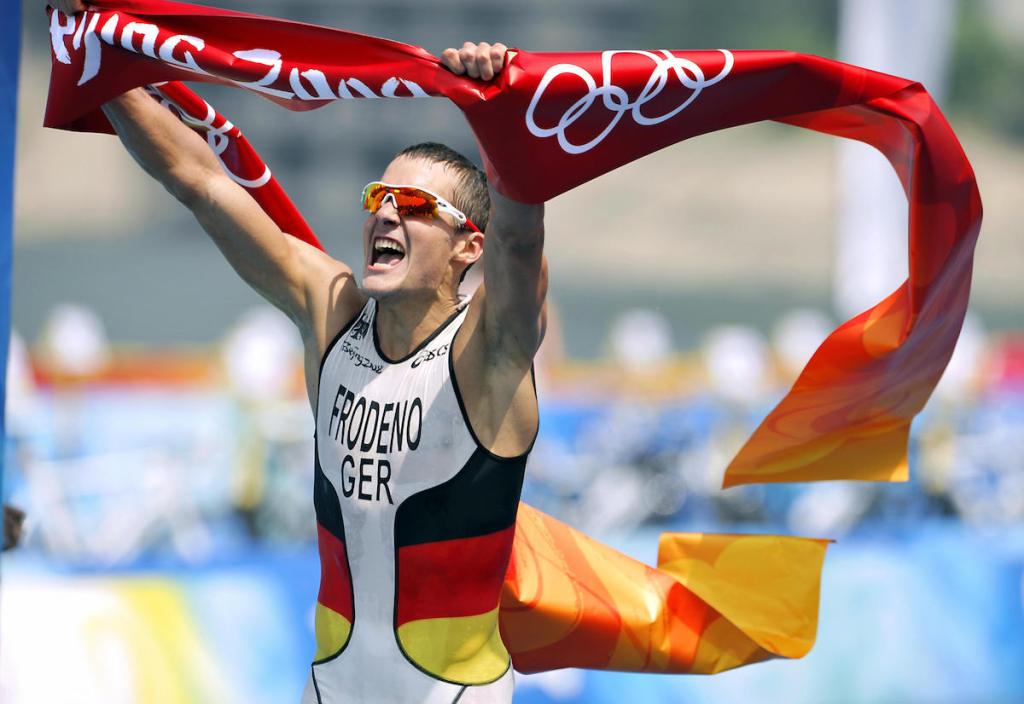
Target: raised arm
{"x": 505, "y": 322}
{"x": 289, "y": 273}
{"x": 515, "y": 278}
{"x": 515, "y": 271}
{"x": 176, "y": 156}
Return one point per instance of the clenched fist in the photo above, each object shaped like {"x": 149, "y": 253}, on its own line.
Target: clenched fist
{"x": 481, "y": 60}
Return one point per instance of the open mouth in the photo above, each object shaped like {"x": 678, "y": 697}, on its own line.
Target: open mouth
{"x": 386, "y": 253}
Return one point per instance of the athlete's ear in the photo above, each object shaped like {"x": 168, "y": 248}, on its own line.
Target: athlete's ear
{"x": 469, "y": 247}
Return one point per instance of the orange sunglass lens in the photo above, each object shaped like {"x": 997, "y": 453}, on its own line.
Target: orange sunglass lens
{"x": 414, "y": 204}
{"x": 407, "y": 201}
{"x": 372, "y": 197}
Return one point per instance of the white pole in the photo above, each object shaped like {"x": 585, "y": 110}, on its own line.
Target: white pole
{"x": 908, "y": 38}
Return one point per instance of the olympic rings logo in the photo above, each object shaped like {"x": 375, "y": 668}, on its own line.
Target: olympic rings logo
{"x": 616, "y": 99}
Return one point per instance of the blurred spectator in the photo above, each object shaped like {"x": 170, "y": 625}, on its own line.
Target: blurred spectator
{"x": 262, "y": 355}
{"x": 796, "y": 336}
{"x": 74, "y": 341}
{"x": 13, "y": 520}
{"x": 641, "y": 340}
{"x": 736, "y": 362}
{"x": 74, "y": 349}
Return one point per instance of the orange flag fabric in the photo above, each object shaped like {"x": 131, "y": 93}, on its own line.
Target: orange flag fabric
{"x": 714, "y": 602}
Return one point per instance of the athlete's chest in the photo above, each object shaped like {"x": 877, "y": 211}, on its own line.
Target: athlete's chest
{"x": 388, "y": 430}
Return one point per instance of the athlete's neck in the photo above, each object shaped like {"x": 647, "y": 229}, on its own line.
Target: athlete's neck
{"x": 403, "y": 324}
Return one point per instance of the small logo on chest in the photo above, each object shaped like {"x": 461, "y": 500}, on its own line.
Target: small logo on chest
{"x": 430, "y": 355}
{"x": 359, "y": 359}
{"x": 361, "y": 327}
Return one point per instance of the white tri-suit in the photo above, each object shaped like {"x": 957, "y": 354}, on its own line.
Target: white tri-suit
{"x": 415, "y": 521}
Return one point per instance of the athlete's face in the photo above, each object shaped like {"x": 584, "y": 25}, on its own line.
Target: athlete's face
{"x": 413, "y": 255}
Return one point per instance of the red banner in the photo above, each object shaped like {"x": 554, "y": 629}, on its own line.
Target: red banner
{"x": 583, "y": 114}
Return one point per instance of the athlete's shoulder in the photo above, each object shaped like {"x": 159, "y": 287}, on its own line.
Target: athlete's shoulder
{"x": 332, "y": 293}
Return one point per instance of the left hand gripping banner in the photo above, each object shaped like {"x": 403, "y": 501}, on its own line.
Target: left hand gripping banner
{"x": 583, "y": 114}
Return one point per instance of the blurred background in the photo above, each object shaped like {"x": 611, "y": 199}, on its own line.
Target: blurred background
{"x": 170, "y": 548}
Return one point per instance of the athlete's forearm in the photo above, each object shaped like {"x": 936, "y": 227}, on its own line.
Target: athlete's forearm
{"x": 516, "y": 225}
{"x": 166, "y": 148}
{"x": 176, "y": 156}
{"x": 515, "y": 279}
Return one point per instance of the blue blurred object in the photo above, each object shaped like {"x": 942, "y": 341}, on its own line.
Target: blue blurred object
{"x": 10, "y": 46}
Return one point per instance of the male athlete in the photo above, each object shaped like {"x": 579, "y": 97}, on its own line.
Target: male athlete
{"x": 425, "y": 406}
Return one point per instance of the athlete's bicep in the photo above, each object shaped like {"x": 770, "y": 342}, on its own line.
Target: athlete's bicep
{"x": 332, "y": 296}
{"x": 281, "y": 268}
